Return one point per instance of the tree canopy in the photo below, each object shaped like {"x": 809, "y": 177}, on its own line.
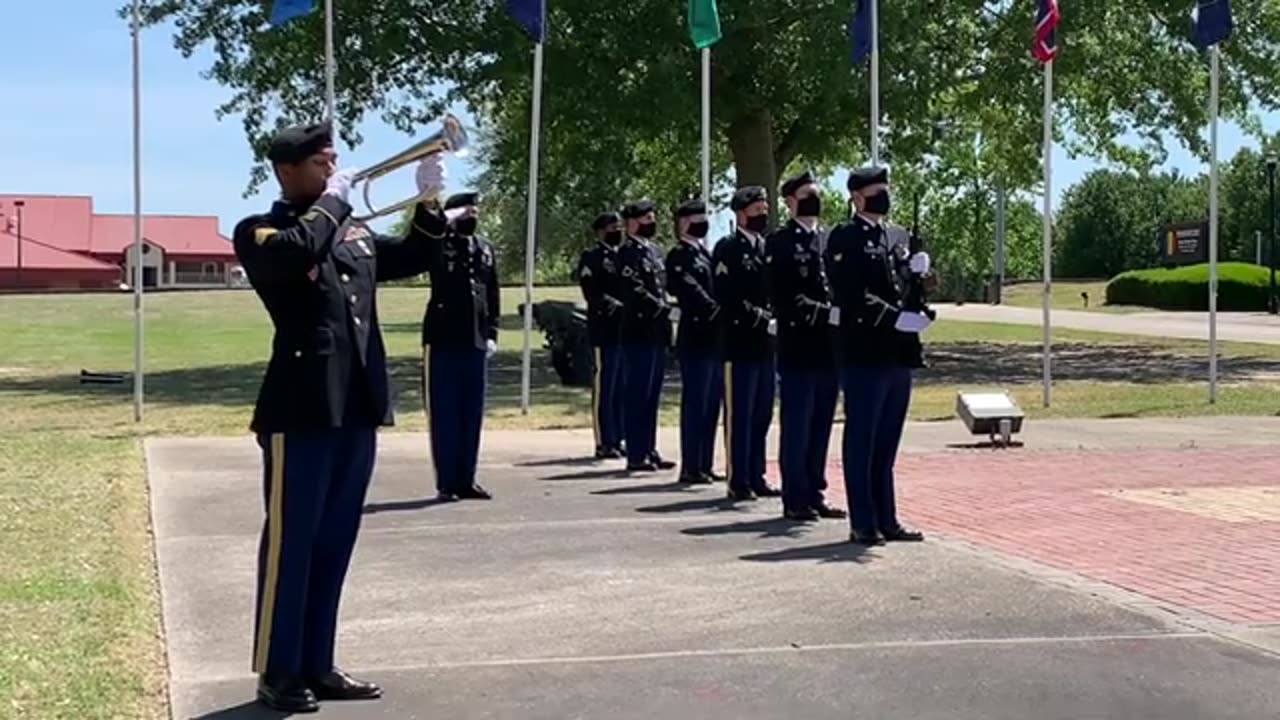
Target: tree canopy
{"x": 960, "y": 94}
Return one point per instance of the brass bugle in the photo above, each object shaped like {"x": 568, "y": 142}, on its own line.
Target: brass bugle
{"x": 451, "y": 137}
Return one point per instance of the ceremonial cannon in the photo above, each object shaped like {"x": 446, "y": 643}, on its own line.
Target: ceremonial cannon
{"x": 565, "y": 328}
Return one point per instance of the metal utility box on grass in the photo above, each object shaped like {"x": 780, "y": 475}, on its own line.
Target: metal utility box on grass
{"x": 994, "y": 414}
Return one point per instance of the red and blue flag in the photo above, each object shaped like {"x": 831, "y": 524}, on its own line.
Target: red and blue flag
{"x": 1045, "y": 46}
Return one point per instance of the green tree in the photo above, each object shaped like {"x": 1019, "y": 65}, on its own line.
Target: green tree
{"x": 1245, "y": 202}
{"x": 621, "y": 91}
{"x": 1109, "y": 221}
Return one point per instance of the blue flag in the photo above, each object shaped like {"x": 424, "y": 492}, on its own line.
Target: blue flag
{"x": 282, "y": 11}
{"x": 530, "y": 15}
{"x": 860, "y": 31}
{"x": 1212, "y": 22}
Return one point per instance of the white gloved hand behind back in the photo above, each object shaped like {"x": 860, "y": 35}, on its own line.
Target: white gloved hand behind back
{"x": 490, "y": 348}
{"x": 339, "y": 184}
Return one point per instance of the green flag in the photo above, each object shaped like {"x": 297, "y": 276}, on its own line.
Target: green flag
{"x": 704, "y": 23}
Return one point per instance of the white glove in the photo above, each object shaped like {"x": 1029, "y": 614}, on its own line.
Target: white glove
{"x": 912, "y": 322}
{"x": 920, "y": 263}
{"x": 833, "y": 318}
{"x": 675, "y": 314}
{"x": 490, "y": 348}
{"x": 431, "y": 174}
{"x": 339, "y": 184}
{"x": 773, "y": 327}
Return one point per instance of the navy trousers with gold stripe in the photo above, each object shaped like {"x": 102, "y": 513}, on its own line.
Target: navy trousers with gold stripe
{"x": 808, "y": 411}
{"x": 314, "y": 488}
{"x": 645, "y": 370}
{"x": 748, "y": 411}
{"x": 607, "y": 396}
{"x": 456, "y": 387}
{"x": 701, "y": 391}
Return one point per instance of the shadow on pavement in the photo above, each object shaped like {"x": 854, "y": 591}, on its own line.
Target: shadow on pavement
{"x": 398, "y": 505}
{"x": 717, "y": 502}
{"x": 244, "y": 711}
{"x": 827, "y": 552}
{"x": 570, "y": 462}
{"x": 606, "y": 474}
{"x": 770, "y": 527}
{"x": 674, "y": 487}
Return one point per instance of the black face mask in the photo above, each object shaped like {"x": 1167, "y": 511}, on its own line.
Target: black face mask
{"x": 810, "y": 206}
{"x": 613, "y": 237}
{"x": 699, "y": 229}
{"x": 877, "y": 204}
{"x": 465, "y": 226}
{"x": 758, "y": 223}
{"x": 647, "y": 230}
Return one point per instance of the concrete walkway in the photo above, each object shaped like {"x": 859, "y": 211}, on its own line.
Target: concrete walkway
{"x": 1239, "y": 327}
{"x": 583, "y": 593}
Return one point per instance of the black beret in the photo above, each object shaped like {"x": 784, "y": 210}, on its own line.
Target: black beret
{"x": 462, "y": 199}
{"x": 637, "y": 209}
{"x": 297, "y": 143}
{"x": 748, "y": 195}
{"x": 605, "y": 220}
{"x": 795, "y": 183}
{"x": 865, "y": 176}
{"x": 691, "y": 207}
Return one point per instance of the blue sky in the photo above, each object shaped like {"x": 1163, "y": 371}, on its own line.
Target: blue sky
{"x": 67, "y": 129}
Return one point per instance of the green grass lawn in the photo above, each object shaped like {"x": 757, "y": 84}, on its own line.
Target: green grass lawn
{"x": 1065, "y": 295}
{"x": 79, "y": 636}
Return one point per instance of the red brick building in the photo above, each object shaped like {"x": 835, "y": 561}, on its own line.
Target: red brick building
{"x": 65, "y": 245}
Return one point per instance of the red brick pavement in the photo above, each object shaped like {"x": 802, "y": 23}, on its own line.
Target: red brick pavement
{"x": 1195, "y": 528}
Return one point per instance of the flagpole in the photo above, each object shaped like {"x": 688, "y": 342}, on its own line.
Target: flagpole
{"x": 1213, "y": 225}
{"x": 526, "y": 369}
{"x": 1048, "y": 228}
{"x": 330, "y": 63}
{"x": 706, "y": 124}
{"x": 875, "y": 82}
{"x": 137, "y": 214}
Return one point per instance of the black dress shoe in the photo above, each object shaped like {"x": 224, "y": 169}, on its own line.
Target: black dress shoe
{"x": 475, "y": 492}
{"x": 286, "y": 694}
{"x": 867, "y": 539}
{"x": 694, "y": 479}
{"x": 901, "y": 534}
{"x": 604, "y": 453}
{"x": 713, "y": 477}
{"x": 446, "y": 497}
{"x": 660, "y": 463}
{"x": 642, "y": 467}
{"x": 766, "y": 491}
{"x": 743, "y": 495}
{"x": 826, "y": 511}
{"x": 800, "y": 514}
{"x": 337, "y": 685}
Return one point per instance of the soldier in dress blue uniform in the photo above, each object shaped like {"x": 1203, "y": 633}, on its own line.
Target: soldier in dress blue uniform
{"x": 697, "y": 343}
{"x": 459, "y": 336}
{"x": 323, "y": 397}
{"x": 740, "y": 284}
{"x": 880, "y": 346}
{"x": 806, "y": 351}
{"x": 646, "y": 335}
{"x": 603, "y": 288}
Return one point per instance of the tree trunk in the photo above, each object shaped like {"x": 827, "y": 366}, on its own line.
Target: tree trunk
{"x": 752, "y": 143}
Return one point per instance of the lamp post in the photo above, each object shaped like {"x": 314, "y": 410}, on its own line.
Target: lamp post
{"x": 1271, "y": 260}
{"x": 18, "y": 275}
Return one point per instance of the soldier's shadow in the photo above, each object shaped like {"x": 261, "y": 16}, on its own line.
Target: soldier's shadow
{"x": 244, "y": 711}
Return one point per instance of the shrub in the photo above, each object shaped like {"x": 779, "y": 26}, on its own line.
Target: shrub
{"x": 1241, "y": 287}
